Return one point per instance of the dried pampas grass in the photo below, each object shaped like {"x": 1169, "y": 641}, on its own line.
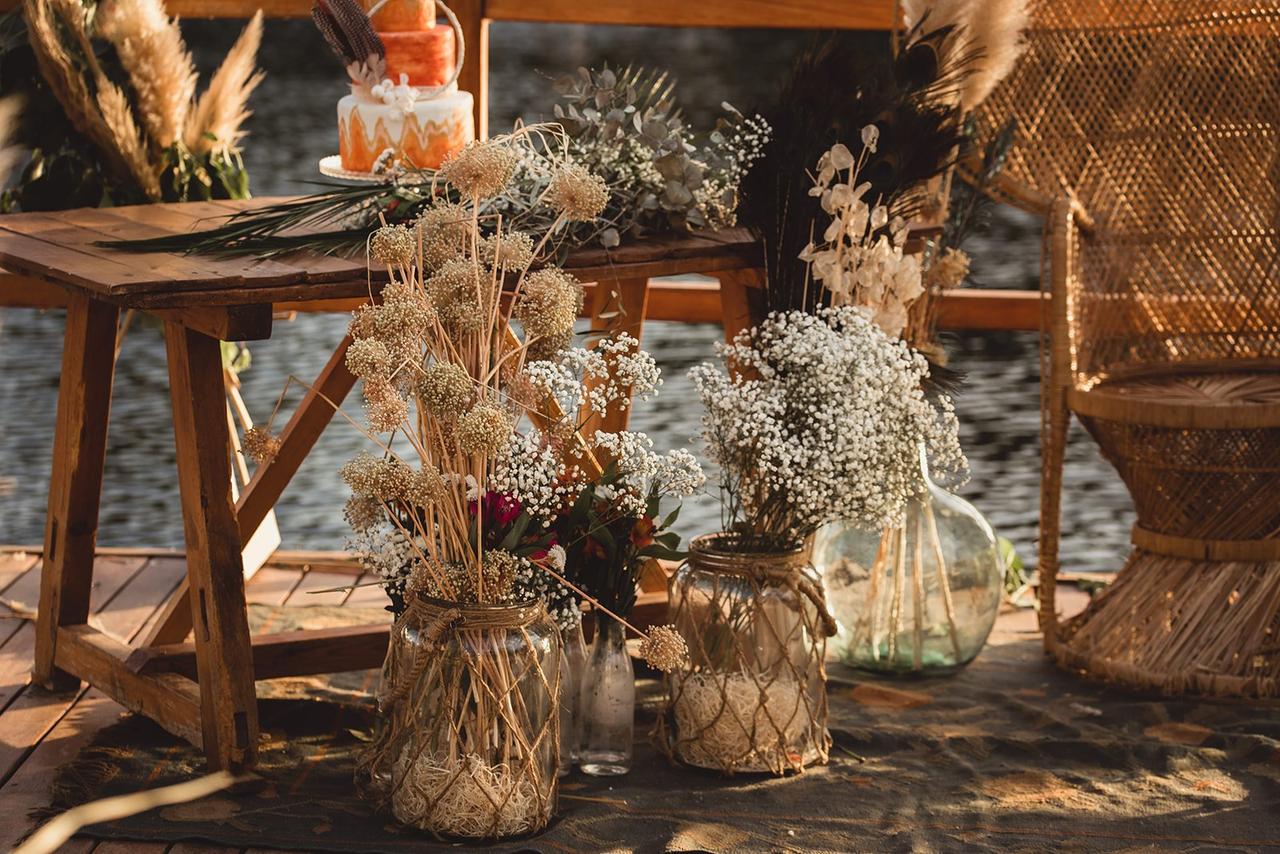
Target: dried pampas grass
{"x": 126, "y": 136}
{"x": 990, "y": 38}
{"x": 462, "y": 795}
{"x": 152, "y": 51}
{"x": 223, "y": 108}
{"x": 10, "y": 154}
{"x": 739, "y": 722}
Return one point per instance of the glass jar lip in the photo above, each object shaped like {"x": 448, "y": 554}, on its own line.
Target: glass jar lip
{"x": 465, "y": 607}
{"x": 712, "y": 545}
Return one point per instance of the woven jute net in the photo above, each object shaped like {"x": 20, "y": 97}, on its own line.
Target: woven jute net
{"x": 1149, "y": 133}
{"x": 753, "y": 695}
{"x": 468, "y": 742}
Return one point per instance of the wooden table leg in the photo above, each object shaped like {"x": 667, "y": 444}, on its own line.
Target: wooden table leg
{"x": 75, "y": 487}
{"x": 296, "y": 441}
{"x": 215, "y": 572}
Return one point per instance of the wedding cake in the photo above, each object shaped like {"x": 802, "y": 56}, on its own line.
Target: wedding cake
{"x": 405, "y": 107}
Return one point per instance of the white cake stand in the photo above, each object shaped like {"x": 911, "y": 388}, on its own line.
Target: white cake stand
{"x": 332, "y": 167}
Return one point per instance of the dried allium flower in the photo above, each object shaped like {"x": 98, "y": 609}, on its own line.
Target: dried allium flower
{"x": 549, "y": 303}
{"x": 950, "y": 269}
{"x": 369, "y": 358}
{"x": 484, "y": 430}
{"x": 664, "y": 649}
{"x": 577, "y": 193}
{"x": 384, "y": 479}
{"x": 260, "y": 444}
{"x": 480, "y": 169}
{"x": 386, "y": 408}
{"x": 392, "y": 244}
{"x": 550, "y": 347}
{"x": 510, "y": 251}
{"x": 446, "y": 232}
{"x": 359, "y": 473}
{"x": 446, "y": 388}
{"x": 426, "y": 487}
{"x": 499, "y": 573}
{"x": 404, "y": 319}
{"x": 363, "y": 512}
{"x": 452, "y": 289}
{"x": 362, "y": 322}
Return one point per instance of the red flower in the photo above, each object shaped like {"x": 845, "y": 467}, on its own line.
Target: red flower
{"x": 642, "y": 532}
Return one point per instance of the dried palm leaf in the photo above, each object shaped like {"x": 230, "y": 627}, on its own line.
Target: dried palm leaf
{"x": 216, "y": 121}
{"x": 127, "y": 136}
{"x": 989, "y": 31}
{"x": 151, "y": 49}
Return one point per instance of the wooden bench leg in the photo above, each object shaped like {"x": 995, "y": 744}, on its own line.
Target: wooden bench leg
{"x": 296, "y": 441}
{"x": 215, "y": 572}
{"x": 75, "y": 487}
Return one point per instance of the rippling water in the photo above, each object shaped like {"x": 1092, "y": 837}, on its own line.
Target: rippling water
{"x": 293, "y": 127}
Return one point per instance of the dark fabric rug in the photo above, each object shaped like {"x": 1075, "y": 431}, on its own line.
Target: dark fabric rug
{"x": 1009, "y": 755}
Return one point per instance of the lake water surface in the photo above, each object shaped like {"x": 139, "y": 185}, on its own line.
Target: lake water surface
{"x": 294, "y": 125}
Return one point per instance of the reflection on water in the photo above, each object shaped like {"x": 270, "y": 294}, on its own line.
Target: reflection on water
{"x": 293, "y": 126}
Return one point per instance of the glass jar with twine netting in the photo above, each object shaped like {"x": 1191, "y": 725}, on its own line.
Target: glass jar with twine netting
{"x": 469, "y": 729}
{"x": 752, "y": 697}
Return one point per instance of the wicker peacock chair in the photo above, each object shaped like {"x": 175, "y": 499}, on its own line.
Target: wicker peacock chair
{"x": 1149, "y": 135}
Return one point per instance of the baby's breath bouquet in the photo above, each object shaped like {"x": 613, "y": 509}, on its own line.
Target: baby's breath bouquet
{"x": 475, "y": 460}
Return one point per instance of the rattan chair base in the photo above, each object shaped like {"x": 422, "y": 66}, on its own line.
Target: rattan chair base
{"x": 1181, "y": 626}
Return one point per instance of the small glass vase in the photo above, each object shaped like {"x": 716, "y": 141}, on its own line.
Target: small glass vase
{"x": 752, "y": 696}
{"x": 446, "y": 758}
{"x": 608, "y": 703}
{"x": 573, "y": 662}
{"x": 918, "y": 598}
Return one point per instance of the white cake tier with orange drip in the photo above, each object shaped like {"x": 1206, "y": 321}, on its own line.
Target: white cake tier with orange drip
{"x": 421, "y": 136}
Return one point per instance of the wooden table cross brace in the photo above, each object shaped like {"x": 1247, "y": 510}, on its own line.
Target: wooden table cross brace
{"x": 203, "y": 690}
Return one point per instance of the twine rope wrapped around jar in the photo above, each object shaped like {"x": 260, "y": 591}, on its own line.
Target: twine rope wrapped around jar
{"x": 470, "y": 732}
{"x": 753, "y": 696}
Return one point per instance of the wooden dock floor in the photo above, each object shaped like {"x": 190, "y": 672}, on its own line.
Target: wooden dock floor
{"x": 40, "y": 731}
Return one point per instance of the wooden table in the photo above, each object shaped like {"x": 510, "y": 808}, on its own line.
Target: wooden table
{"x": 204, "y": 690}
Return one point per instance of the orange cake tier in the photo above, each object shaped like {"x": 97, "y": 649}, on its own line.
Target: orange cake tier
{"x": 426, "y": 56}
{"x": 402, "y": 15}
{"x": 422, "y": 137}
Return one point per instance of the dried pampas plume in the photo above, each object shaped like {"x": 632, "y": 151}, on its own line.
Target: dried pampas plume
{"x": 60, "y": 69}
{"x": 223, "y": 108}
{"x": 128, "y": 139}
{"x": 10, "y": 154}
{"x": 998, "y": 34}
{"x": 990, "y": 38}
{"x": 156, "y": 59}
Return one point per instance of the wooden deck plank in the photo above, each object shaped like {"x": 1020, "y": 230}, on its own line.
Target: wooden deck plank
{"x": 272, "y": 585}
{"x": 13, "y": 565}
{"x": 367, "y": 595}
{"x": 307, "y": 591}
{"x": 34, "y": 712}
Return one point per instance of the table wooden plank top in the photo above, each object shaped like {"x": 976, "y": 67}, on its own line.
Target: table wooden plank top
{"x": 62, "y": 247}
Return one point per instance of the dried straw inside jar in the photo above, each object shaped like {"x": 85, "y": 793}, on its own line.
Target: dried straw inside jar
{"x": 753, "y": 695}
{"x": 468, "y": 745}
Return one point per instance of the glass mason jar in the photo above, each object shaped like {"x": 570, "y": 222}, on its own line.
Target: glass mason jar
{"x": 753, "y": 695}
{"x": 608, "y": 703}
{"x": 469, "y": 736}
{"x": 918, "y": 598}
{"x": 573, "y": 661}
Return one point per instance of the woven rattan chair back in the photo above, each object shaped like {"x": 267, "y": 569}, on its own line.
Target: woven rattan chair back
{"x": 1148, "y": 132}
{"x": 1161, "y": 119}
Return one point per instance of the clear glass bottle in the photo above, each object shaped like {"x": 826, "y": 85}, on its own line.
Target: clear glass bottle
{"x": 573, "y": 662}
{"x": 918, "y": 598}
{"x": 442, "y": 743}
{"x": 753, "y": 695}
{"x": 608, "y": 698}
